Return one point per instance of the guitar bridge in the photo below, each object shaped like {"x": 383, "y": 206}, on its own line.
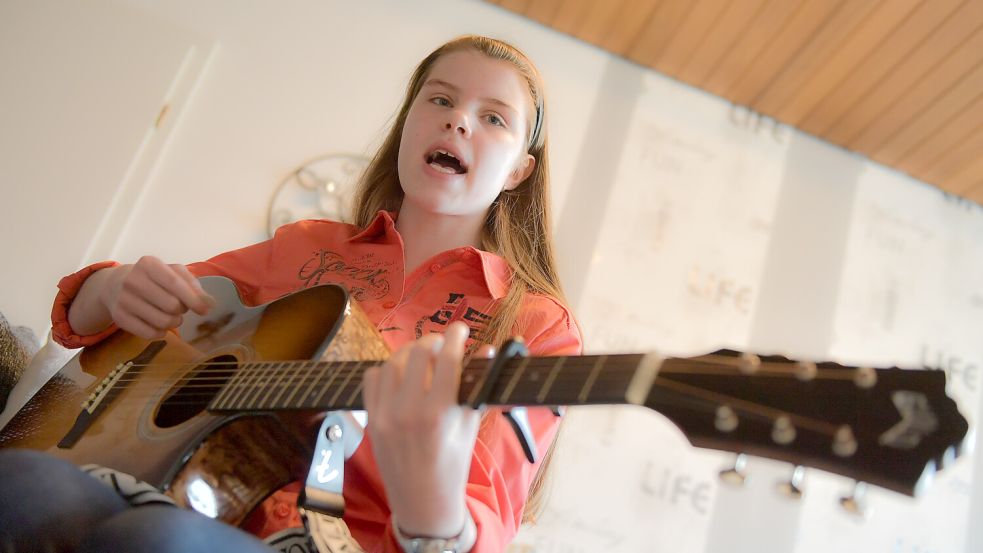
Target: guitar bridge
{"x": 107, "y": 390}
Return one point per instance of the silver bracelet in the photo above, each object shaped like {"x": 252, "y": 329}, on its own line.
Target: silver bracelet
{"x": 461, "y": 543}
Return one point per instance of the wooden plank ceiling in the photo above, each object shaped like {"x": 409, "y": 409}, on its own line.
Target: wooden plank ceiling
{"x": 900, "y": 81}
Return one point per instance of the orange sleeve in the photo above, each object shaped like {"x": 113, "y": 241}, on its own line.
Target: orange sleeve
{"x": 68, "y": 288}
{"x": 245, "y": 266}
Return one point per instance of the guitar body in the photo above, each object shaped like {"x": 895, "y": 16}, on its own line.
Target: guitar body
{"x": 156, "y": 426}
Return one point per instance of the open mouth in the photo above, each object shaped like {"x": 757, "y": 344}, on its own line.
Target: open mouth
{"x": 445, "y": 162}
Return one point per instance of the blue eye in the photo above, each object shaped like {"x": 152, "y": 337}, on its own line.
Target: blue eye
{"x": 441, "y": 101}
{"x": 496, "y": 120}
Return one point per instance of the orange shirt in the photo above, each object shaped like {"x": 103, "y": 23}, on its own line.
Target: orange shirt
{"x": 455, "y": 285}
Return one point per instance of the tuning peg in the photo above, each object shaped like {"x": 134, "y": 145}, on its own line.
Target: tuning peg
{"x": 967, "y": 444}
{"x": 783, "y": 432}
{"x": 865, "y": 377}
{"x": 926, "y": 479}
{"x": 793, "y": 488}
{"x": 735, "y": 475}
{"x": 844, "y": 442}
{"x": 749, "y": 363}
{"x": 805, "y": 370}
{"x": 855, "y": 503}
{"x": 726, "y": 420}
{"x": 949, "y": 457}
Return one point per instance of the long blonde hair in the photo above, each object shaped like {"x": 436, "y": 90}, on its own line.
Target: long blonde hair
{"x": 518, "y": 223}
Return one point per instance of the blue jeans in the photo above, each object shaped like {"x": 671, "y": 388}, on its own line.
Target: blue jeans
{"x": 49, "y": 505}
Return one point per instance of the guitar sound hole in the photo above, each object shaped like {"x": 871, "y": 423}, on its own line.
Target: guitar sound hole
{"x": 194, "y": 391}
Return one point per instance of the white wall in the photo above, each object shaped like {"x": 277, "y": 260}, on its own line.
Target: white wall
{"x": 669, "y": 204}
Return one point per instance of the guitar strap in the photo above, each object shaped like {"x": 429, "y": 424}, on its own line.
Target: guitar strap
{"x": 135, "y": 492}
{"x": 321, "y": 503}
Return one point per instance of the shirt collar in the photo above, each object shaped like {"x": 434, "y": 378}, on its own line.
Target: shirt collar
{"x": 494, "y": 268}
{"x": 497, "y": 273}
{"x": 384, "y": 224}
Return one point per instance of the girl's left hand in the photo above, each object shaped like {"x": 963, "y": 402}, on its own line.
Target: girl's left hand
{"x": 422, "y": 439}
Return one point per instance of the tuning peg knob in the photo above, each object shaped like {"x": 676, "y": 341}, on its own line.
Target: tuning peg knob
{"x": 844, "y": 443}
{"x": 735, "y": 475}
{"x": 726, "y": 420}
{"x": 949, "y": 456}
{"x": 805, "y": 370}
{"x": 925, "y": 480}
{"x": 855, "y": 503}
{"x": 793, "y": 488}
{"x": 865, "y": 377}
{"x": 749, "y": 363}
{"x": 783, "y": 432}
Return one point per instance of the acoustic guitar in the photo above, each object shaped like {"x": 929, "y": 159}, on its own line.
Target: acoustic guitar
{"x": 228, "y": 398}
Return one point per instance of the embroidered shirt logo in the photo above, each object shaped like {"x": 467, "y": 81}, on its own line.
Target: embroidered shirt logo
{"x": 456, "y": 308}
{"x": 366, "y": 279}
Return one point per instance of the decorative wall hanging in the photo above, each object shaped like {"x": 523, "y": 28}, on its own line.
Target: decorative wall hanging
{"x": 319, "y": 189}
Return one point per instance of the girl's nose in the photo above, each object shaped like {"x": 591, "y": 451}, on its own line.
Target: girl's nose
{"x": 459, "y": 123}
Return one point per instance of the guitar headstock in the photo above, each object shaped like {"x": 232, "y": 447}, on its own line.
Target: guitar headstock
{"x": 888, "y": 427}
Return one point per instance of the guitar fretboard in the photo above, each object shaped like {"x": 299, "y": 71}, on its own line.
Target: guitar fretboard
{"x": 309, "y": 385}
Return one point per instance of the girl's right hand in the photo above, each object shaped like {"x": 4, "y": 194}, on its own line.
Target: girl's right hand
{"x": 149, "y": 297}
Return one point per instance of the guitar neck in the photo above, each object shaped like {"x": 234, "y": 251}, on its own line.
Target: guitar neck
{"x": 845, "y": 420}
{"x": 322, "y": 386}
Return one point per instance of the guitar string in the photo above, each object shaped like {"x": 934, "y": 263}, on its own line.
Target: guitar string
{"x": 769, "y": 413}
{"x": 306, "y": 374}
{"x": 310, "y": 375}
{"x": 701, "y": 401}
{"x": 247, "y": 367}
{"x": 707, "y": 398}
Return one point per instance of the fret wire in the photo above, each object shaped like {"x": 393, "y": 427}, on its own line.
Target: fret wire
{"x": 585, "y": 378}
{"x": 233, "y": 386}
{"x": 477, "y": 389}
{"x": 586, "y": 389}
{"x": 611, "y": 383}
{"x": 253, "y": 368}
{"x": 255, "y": 399}
{"x": 358, "y": 390}
{"x": 275, "y": 378}
{"x": 327, "y": 386}
{"x": 564, "y": 374}
{"x": 515, "y": 379}
{"x": 284, "y": 382}
{"x": 300, "y": 374}
{"x": 264, "y": 386}
{"x": 310, "y": 387}
{"x": 614, "y": 373}
{"x": 312, "y": 374}
{"x": 473, "y": 370}
{"x": 616, "y": 387}
{"x": 260, "y": 388}
{"x": 337, "y": 394}
{"x": 262, "y": 366}
{"x": 223, "y": 394}
{"x": 549, "y": 379}
{"x": 244, "y": 387}
{"x": 344, "y": 388}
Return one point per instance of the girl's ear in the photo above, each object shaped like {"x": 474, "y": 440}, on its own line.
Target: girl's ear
{"x": 521, "y": 172}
